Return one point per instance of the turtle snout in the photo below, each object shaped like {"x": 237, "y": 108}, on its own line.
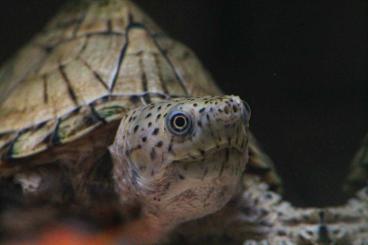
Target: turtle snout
{"x": 233, "y": 110}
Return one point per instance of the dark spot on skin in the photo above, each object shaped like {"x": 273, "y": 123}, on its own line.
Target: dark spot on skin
{"x": 219, "y": 110}
{"x": 195, "y": 104}
{"x": 144, "y": 139}
{"x": 165, "y": 114}
{"x": 265, "y": 223}
{"x": 181, "y": 177}
{"x": 199, "y": 124}
{"x": 256, "y": 201}
{"x": 159, "y": 108}
{"x": 211, "y": 109}
{"x": 158, "y": 116}
{"x": 148, "y": 115}
{"x": 235, "y": 109}
{"x": 281, "y": 233}
{"x": 136, "y": 128}
{"x": 305, "y": 217}
{"x": 226, "y": 109}
{"x": 159, "y": 144}
{"x": 153, "y": 154}
{"x": 268, "y": 196}
{"x": 130, "y": 119}
{"x": 168, "y": 105}
{"x": 149, "y": 124}
{"x": 202, "y": 110}
{"x": 208, "y": 117}
{"x": 155, "y": 131}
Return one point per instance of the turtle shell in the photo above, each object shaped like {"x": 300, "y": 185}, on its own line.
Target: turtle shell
{"x": 71, "y": 85}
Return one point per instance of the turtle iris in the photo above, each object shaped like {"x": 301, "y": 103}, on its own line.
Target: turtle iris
{"x": 179, "y": 123}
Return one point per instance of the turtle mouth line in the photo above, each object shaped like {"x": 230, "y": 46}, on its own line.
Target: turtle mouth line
{"x": 204, "y": 154}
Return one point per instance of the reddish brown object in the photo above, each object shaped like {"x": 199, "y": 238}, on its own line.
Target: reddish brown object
{"x": 139, "y": 232}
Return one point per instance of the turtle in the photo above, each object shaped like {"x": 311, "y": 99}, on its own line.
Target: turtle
{"x": 102, "y": 108}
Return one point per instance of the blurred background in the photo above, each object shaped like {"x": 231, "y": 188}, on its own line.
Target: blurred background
{"x": 301, "y": 65}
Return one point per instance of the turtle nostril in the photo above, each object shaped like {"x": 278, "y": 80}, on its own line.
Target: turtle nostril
{"x": 246, "y": 112}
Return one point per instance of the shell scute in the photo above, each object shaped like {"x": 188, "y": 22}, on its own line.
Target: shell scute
{"x": 32, "y": 140}
{"x": 189, "y": 69}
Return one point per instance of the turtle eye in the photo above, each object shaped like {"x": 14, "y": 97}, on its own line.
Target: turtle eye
{"x": 179, "y": 123}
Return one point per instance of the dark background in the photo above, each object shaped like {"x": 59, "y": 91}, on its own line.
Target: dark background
{"x": 301, "y": 65}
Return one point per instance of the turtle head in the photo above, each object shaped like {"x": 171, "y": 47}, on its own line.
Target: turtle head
{"x": 183, "y": 158}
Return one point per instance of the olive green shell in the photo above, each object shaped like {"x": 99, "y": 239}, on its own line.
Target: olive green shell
{"x": 77, "y": 78}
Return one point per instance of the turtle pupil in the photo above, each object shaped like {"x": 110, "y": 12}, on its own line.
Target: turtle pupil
{"x": 180, "y": 121}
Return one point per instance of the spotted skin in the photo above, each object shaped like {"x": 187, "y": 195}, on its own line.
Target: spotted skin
{"x": 259, "y": 216}
{"x": 179, "y": 177}
{"x": 286, "y": 224}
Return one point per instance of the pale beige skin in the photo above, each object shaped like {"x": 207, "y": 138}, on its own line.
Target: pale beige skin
{"x": 63, "y": 96}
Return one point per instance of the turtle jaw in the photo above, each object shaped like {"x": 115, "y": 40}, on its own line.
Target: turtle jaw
{"x": 186, "y": 189}
{"x": 202, "y": 156}
{"x": 200, "y": 187}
